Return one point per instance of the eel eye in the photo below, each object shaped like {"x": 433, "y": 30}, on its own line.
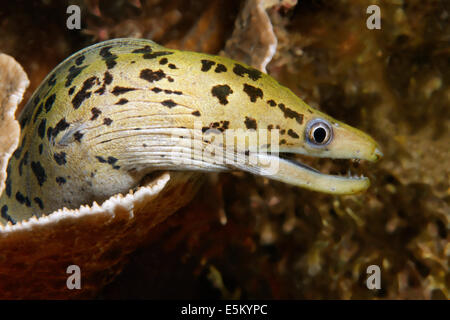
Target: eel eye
{"x": 319, "y": 132}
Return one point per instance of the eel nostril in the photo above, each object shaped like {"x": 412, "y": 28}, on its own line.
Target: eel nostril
{"x": 378, "y": 154}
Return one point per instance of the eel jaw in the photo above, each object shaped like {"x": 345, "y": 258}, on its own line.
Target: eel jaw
{"x": 301, "y": 175}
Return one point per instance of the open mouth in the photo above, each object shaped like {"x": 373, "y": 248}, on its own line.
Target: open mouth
{"x": 336, "y": 176}
{"x": 343, "y": 168}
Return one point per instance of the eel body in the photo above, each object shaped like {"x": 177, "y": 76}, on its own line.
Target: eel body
{"x": 114, "y": 112}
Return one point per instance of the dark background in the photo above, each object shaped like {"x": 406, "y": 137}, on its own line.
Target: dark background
{"x": 280, "y": 241}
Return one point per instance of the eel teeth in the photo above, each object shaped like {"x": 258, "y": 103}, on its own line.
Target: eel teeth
{"x": 353, "y": 176}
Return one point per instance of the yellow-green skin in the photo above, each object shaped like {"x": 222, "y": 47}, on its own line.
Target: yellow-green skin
{"x": 106, "y": 117}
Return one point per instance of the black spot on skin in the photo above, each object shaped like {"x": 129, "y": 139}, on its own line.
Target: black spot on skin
{"x": 22, "y": 199}
{"x": 77, "y": 136}
{"x": 156, "y": 54}
{"x": 240, "y": 70}
{"x": 145, "y": 49}
{"x": 8, "y": 185}
{"x": 71, "y": 90}
{"x": 107, "y": 121}
{"x": 108, "y": 57}
{"x": 178, "y": 92}
{"x": 41, "y": 128}
{"x": 163, "y": 61}
{"x": 107, "y": 78}
{"x": 253, "y": 92}
{"x": 39, "y": 203}
{"x": 282, "y": 131}
{"x": 220, "y": 68}
{"x": 169, "y": 103}
{"x": 23, "y": 162}
{"x": 250, "y": 123}
{"x": 289, "y": 113}
{"x": 52, "y": 81}
{"x": 221, "y": 92}
{"x": 60, "y": 126}
{"x": 95, "y": 113}
{"x": 170, "y": 79}
{"x": 25, "y": 158}
{"x": 152, "y": 76}
{"x": 23, "y": 122}
{"x": 122, "y": 101}
{"x": 49, "y": 102}
{"x": 38, "y": 112}
{"x": 207, "y": 64}
{"x": 270, "y": 127}
{"x": 79, "y": 60}
{"x": 49, "y": 133}
{"x": 156, "y": 90}
{"x": 172, "y": 66}
{"x": 293, "y": 134}
{"x": 112, "y": 160}
{"x": 101, "y": 159}
{"x": 60, "y": 158}
{"x": 217, "y": 127}
{"x": 83, "y": 93}
{"x": 18, "y": 151}
{"x": 121, "y": 90}
{"x": 271, "y": 103}
{"x": 60, "y": 180}
{"x": 40, "y": 148}
{"x": 168, "y": 91}
{"x": 282, "y": 141}
{"x": 310, "y": 111}
{"x": 5, "y": 215}
{"x": 196, "y": 113}
{"x": 73, "y": 73}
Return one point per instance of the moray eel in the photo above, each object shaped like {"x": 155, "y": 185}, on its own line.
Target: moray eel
{"x": 114, "y": 112}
